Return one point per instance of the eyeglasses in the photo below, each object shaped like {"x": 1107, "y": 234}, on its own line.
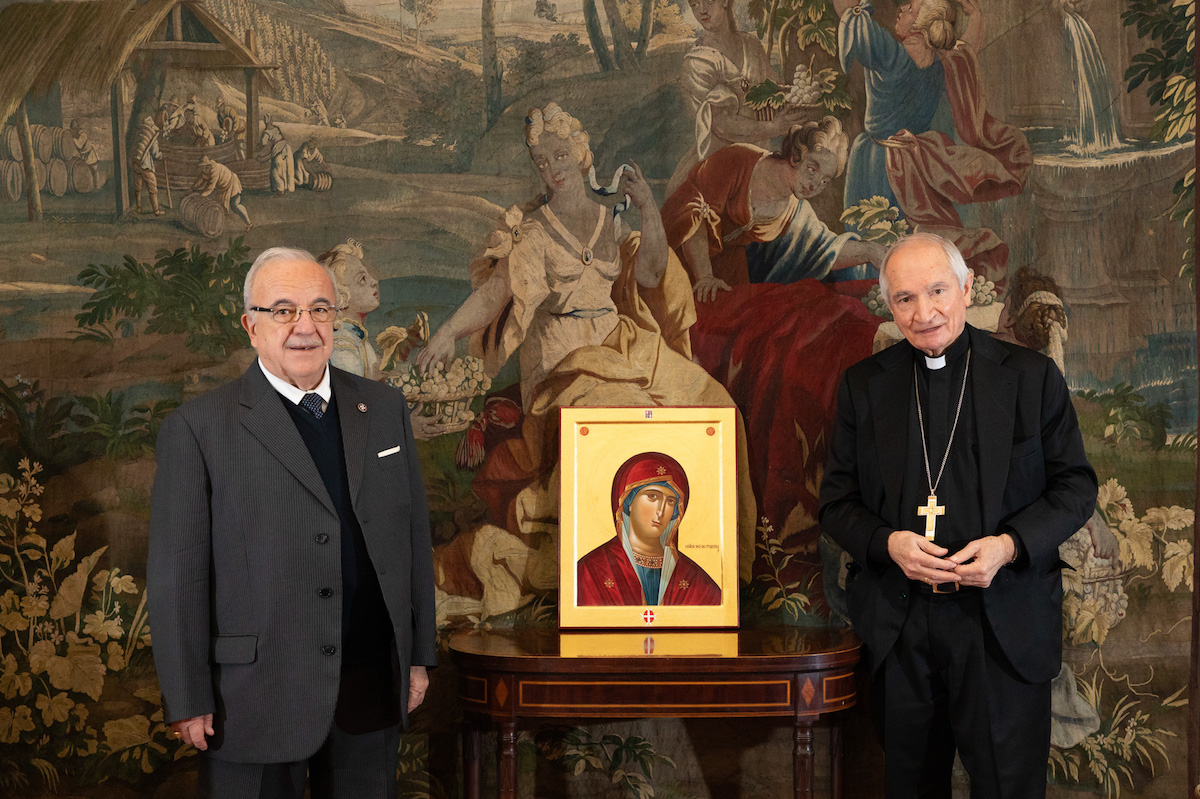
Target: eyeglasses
{"x": 287, "y": 314}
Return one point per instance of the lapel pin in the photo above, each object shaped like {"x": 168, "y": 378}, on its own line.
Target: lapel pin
{"x": 362, "y": 406}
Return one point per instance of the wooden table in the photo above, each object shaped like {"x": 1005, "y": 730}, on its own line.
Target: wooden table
{"x": 509, "y": 675}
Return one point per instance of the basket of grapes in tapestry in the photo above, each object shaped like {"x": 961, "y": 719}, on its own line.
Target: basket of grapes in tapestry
{"x": 444, "y": 394}
{"x": 806, "y": 90}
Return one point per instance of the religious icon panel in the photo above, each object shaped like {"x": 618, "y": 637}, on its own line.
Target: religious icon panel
{"x": 649, "y": 518}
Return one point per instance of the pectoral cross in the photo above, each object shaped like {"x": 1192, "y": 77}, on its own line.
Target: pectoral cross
{"x": 931, "y": 511}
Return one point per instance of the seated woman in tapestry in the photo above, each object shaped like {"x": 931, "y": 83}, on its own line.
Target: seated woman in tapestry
{"x": 929, "y": 144}
{"x": 717, "y": 72}
{"x": 743, "y": 194}
{"x": 598, "y": 314}
{"x": 642, "y": 564}
{"x": 767, "y": 328}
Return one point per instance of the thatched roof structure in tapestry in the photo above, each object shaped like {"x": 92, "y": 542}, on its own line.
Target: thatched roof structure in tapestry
{"x": 84, "y": 45}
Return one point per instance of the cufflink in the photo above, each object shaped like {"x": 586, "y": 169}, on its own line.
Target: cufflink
{"x": 362, "y": 407}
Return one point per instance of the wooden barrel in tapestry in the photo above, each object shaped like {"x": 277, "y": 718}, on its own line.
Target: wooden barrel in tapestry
{"x": 203, "y": 215}
{"x": 79, "y": 177}
{"x": 320, "y": 181}
{"x": 181, "y": 163}
{"x": 254, "y": 174}
{"x": 43, "y": 142}
{"x": 63, "y": 144}
{"x": 56, "y": 177}
{"x": 12, "y": 179}
{"x": 40, "y": 173}
{"x": 10, "y": 143}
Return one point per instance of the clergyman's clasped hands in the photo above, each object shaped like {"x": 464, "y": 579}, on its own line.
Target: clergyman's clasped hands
{"x": 974, "y": 565}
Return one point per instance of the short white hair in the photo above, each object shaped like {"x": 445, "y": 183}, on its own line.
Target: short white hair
{"x": 276, "y": 254}
{"x": 954, "y": 259}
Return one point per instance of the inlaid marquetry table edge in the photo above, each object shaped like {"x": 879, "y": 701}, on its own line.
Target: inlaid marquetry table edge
{"x": 509, "y": 675}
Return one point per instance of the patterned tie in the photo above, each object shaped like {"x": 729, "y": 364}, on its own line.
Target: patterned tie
{"x": 312, "y": 403}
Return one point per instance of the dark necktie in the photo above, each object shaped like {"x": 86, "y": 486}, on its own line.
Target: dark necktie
{"x": 312, "y": 403}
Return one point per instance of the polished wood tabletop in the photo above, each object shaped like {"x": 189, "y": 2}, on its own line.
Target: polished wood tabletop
{"x": 799, "y": 672}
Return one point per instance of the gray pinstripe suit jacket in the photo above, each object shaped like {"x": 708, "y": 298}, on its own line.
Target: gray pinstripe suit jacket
{"x": 243, "y": 535}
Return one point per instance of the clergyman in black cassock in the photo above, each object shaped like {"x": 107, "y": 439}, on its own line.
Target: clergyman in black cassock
{"x": 956, "y": 469}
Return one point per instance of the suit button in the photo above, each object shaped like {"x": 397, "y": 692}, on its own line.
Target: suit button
{"x": 325, "y": 593}
{"x": 903, "y": 595}
{"x": 322, "y": 538}
{"x": 329, "y": 649}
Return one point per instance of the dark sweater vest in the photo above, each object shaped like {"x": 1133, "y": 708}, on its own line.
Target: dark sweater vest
{"x": 366, "y": 696}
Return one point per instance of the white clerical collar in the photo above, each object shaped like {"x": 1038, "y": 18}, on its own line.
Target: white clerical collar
{"x": 935, "y": 363}
{"x": 293, "y": 394}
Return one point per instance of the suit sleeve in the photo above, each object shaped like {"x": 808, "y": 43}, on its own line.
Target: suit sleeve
{"x": 843, "y": 513}
{"x": 1070, "y": 487}
{"x": 424, "y": 646}
{"x": 177, "y": 572}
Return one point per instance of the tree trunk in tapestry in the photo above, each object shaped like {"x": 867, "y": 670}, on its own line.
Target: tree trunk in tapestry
{"x": 591, "y": 19}
{"x": 492, "y": 79}
{"x": 622, "y": 49}
{"x": 646, "y": 29}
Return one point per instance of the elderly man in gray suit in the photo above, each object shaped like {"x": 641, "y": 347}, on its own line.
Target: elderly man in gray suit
{"x": 290, "y": 573}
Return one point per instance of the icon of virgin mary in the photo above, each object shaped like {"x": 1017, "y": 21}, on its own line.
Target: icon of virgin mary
{"x": 642, "y": 564}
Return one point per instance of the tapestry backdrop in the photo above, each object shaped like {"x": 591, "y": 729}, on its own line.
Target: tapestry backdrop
{"x": 150, "y": 150}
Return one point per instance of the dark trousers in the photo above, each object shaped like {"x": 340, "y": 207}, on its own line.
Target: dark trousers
{"x": 947, "y": 687}
{"x": 346, "y": 767}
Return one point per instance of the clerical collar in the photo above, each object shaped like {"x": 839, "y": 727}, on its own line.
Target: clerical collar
{"x": 950, "y": 355}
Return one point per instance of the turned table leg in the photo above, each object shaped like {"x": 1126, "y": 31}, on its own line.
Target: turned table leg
{"x": 802, "y": 759}
{"x": 835, "y": 756}
{"x": 471, "y": 753}
{"x": 507, "y": 774}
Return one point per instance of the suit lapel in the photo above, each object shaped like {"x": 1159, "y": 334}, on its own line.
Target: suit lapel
{"x": 889, "y": 392}
{"x": 994, "y": 392}
{"x": 354, "y": 427}
{"x": 269, "y": 422}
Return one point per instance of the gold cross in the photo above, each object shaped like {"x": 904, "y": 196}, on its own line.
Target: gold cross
{"x": 931, "y": 512}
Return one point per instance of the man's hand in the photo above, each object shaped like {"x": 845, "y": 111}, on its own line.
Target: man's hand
{"x": 418, "y": 684}
{"x": 192, "y": 731}
{"x": 921, "y": 559}
{"x": 979, "y": 560}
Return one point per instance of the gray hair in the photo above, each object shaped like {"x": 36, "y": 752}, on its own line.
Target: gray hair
{"x": 277, "y": 254}
{"x": 954, "y": 259}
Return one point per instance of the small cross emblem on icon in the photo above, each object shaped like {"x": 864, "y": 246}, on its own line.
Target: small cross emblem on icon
{"x": 648, "y": 617}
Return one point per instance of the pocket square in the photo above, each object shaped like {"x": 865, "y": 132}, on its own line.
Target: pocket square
{"x": 383, "y": 453}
